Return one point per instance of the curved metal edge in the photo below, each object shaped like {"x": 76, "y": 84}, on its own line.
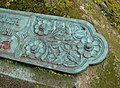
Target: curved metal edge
{"x": 102, "y": 57}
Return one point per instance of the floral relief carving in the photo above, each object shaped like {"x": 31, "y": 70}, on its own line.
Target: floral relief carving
{"x": 61, "y": 43}
{"x": 91, "y": 47}
{"x": 43, "y": 27}
{"x": 35, "y": 49}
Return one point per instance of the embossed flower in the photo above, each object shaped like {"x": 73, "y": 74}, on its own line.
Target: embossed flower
{"x": 35, "y": 49}
{"x": 43, "y": 27}
{"x": 89, "y": 47}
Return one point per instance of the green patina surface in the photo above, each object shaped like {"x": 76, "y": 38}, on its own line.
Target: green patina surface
{"x": 104, "y": 15}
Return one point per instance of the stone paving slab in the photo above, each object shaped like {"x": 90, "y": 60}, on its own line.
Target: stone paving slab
{"x": 12, "y": 71}
{"x": 10, "y": 82}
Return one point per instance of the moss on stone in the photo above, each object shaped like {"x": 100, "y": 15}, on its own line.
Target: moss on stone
{"x": 111, "y": 9}
{"x": 107, "y": 75}
{"x": 56, "y": 7}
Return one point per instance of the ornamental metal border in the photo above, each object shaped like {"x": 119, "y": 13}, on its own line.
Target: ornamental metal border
{"x": 57, "y": 43}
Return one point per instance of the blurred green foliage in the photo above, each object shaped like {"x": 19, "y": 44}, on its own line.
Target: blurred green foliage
{"x": 56, "y": 7}
{"x": 111, "y": 9}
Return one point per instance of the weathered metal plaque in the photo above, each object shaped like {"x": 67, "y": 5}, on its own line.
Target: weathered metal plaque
{"x": 57, "y": 43}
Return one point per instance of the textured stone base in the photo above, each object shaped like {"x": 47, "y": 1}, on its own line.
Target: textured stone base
{"x": 10, "y": 82}
{"x": 19, "y": 75}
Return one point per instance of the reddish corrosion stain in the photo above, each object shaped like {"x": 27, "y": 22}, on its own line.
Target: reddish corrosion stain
{"x": 5, "y": 45}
